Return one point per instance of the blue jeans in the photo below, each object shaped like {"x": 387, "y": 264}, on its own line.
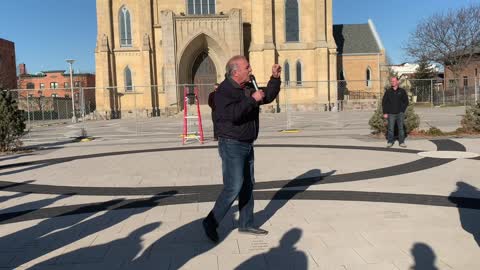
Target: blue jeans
{"x": 238, "y": 180}
{"x": 397, "y": 119}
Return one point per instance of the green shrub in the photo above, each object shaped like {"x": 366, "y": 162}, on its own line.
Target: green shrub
{"x": 471, "y": 120}
{"x": 412, "y": 120}
{"x": 12, "y": 123}
{"x": 378, "y": 123}
{"x": 434, "y": 131}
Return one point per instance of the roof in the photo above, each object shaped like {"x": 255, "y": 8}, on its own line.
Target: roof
{"x": 356, "y": 39}
{"x": 54, "y": 71}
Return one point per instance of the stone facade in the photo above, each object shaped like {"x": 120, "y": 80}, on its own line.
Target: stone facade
{"x": 142, "y": 65}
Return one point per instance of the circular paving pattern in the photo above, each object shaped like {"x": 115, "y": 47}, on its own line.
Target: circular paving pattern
{"x": 448, "y": 154}
{"x": 170, "y": 195}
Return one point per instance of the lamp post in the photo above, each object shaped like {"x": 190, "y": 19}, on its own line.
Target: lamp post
{"x": 74, "y": 118}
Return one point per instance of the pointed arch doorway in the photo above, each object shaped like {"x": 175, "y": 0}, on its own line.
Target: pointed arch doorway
{"x": 204, "y": 75}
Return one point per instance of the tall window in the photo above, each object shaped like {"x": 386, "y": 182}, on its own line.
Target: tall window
{"x": 42, "y": 85}
{"x": 66, "y": 84}
{"x": 451, "y": 83}
{"x": 465, "y": 81}
{"x": 125, "y": 28}
{"x": 53, "y": 85}
{"x": 30, "y": 85}
{"x": 299, "y": 72}
{"x": 291, "y": 20}
{"x": 128, "y": 80}
{"x": 200, "y": 7}
{"x": 286, "y": 68}
{"x": 368, "y": 77}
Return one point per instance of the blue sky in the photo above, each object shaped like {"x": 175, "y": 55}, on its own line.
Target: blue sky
{"x": 394, "y": 19}
{"x": 46, "y": 32}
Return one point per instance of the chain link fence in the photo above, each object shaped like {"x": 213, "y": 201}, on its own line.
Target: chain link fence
{"x": 139, "y": 108}
{"x": 444, "y": 93}
{"x": 41, "y": 106}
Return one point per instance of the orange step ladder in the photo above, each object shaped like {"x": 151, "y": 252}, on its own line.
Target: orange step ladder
{"x": 192, "y": 123}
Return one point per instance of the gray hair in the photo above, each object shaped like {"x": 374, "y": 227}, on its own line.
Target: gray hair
{"x": 232, "y": 64}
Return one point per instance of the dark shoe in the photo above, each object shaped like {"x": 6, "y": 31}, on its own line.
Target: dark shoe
{"x": 210, "y": 226}
{"x": 254, "y": 231}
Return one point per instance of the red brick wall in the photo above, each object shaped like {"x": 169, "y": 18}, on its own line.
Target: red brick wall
{"x": 8, "y": 73}
{"x": 469, "y": 71}
{"x": 85, "y": 80}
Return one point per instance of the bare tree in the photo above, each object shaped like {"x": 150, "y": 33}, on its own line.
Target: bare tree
{"x": 450, "y": 38}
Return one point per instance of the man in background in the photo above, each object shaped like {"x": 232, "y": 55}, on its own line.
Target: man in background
{"x": 211, "y": 103}
{"x": 394, "y": 104}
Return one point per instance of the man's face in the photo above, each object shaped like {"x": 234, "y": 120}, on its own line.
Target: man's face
{"x": 242, "y": 74}
{"x": 394, "y": 82}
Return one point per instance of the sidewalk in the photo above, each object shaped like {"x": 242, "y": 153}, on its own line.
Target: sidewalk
{"x": 329, "y": 203}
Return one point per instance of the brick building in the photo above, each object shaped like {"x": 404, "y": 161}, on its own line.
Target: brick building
{"x": 361, "y": 58}
{"x": 56, "y": 84}
{"x": 8, "y": 74}
{"x": 469, "y": 77}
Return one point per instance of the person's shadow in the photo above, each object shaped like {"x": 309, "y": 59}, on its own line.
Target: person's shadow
{"x": 424, "y": 257}
{"x": 284, "y": 194}
{"x": 128, "y": 247}
{"x": 28, "y": 207}
{"x": 286, "y": 256}
{"x": 470, "y": 218}
{"x": 176, "y": 248}
{"x": 66, "y": 228}
{"x": 11, "y": 197}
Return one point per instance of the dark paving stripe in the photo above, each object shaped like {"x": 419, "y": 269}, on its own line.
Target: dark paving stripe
{"x": 448, "y": 145}
{"x": 141, "y": 151}
{"x": 414, "y": 166}
{"x": 167, "y": 199}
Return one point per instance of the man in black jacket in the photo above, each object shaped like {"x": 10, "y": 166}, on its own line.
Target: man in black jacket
{"x": 211, "y": 103}
{"x": 394, "y": 103}
{"x": 236, "y": 116}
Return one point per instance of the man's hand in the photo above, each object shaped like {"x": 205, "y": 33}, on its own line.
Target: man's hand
{"x": 258, "y": 95}
{"x": 385, "y": 116}
{"x": 276, "y": 71}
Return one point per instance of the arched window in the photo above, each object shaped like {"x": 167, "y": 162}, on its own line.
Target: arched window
{"x": 368, "y": 77}
{"x": 291, "y": 21}
{"x": 125, "y": 27}
{"x": 299, "y": 72}
{"x": 30, "y": 85}
{"x": 286, "y": 69}
{"x": 128, "y": 80}
{"x": 200, "y": 7}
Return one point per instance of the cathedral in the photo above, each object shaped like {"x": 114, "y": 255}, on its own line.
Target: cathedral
{"x": 149, "y": 50}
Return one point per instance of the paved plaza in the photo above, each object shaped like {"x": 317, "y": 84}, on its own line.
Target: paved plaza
{"x": 331, "y": 196}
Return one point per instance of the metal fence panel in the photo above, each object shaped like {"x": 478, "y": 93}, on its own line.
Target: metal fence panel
{"x": 140, "y": 106}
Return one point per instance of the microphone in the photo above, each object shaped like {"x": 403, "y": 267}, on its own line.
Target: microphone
{"x": 254, "y": 82}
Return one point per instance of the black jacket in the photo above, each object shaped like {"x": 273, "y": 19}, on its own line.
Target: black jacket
{"x": 236, "y": 111}
{"x": 211, "y": 101}
{"x": 394, "y": 102}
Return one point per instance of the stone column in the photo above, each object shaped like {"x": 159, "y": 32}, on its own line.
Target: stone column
{"x": 169, "y": 62}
